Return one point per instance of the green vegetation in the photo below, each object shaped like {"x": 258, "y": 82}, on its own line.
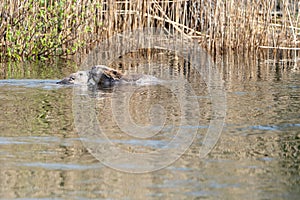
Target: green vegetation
{"x": 41, "y": 29}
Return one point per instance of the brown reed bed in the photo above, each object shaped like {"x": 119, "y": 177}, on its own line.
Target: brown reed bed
{"x": 41, "y": 29}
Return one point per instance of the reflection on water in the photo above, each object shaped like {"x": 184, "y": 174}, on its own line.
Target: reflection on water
{"x": 257, "y": 156}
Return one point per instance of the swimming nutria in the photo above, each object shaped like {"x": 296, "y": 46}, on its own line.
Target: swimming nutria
{"x": 101, "y": 76}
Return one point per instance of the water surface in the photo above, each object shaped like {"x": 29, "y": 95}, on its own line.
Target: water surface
{"x": 256, "y": 157}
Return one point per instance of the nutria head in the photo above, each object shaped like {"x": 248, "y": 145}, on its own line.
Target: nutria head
{"x": 79, "y": 77}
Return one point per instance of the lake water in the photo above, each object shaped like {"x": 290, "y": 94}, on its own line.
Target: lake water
{"x": 45, "y": 152}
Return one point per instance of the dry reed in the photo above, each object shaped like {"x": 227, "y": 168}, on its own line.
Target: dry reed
{"x": 46, "y": 28}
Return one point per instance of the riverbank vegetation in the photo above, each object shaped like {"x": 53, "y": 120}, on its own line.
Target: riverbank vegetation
{"x": 42, "y": 29}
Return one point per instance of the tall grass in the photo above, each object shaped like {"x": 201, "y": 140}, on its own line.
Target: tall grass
{"x": 39, "y": 29}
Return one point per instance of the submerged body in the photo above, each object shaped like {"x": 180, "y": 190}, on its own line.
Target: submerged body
{"x": 103, "y": 76}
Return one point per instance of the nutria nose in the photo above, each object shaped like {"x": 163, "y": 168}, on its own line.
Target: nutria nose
{"x": 64, "y": 82}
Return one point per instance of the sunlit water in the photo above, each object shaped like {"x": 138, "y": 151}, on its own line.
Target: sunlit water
{"x": 257, "y": 156}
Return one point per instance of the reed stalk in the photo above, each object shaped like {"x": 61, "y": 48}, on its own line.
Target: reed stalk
{"x": 41, "y": 29}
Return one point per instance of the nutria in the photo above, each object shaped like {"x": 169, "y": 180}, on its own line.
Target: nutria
{"x": 102, "y": 76}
